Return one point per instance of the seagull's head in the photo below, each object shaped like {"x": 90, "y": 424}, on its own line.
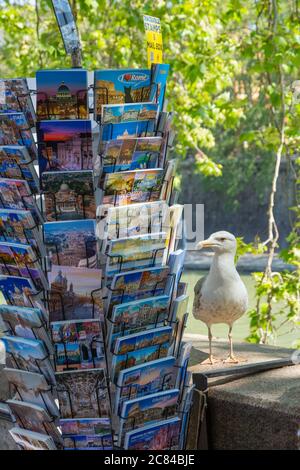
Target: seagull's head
{"x": 219, "y": 242}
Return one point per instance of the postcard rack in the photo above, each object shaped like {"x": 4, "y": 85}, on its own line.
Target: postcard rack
{"x": 60, "y": 299}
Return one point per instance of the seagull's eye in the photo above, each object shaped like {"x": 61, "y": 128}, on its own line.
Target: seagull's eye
{"x": 221, "y": 239}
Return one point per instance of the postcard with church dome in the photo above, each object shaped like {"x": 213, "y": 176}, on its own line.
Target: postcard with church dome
{"x": 72, "y": 243}
{"x": 65, "y": 145}
{"x": 62, "y": 94}
{"x": 69, "y": 195}
{"x": 75, "y": 293}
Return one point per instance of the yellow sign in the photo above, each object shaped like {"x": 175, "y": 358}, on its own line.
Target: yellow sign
{"x": 154, "y": 40}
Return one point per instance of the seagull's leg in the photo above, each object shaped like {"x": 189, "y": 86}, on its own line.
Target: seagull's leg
{"x": 231, "y": 359}
{"x": 210, "y": 360}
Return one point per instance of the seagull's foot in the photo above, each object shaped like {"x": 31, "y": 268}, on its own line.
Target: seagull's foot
{"x": 211, "y": 360}
{"x": 232, "y": 359}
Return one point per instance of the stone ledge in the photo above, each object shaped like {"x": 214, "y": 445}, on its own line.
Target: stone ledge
{"x": 260, "y": 411}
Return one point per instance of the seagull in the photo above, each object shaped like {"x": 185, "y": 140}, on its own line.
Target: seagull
{"x": 221, "y": 296}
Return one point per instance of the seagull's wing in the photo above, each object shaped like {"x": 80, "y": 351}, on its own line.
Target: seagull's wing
{"x": 197, "y": 292}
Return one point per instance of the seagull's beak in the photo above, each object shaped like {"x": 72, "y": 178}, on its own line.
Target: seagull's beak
{"x": 205, "y": 244}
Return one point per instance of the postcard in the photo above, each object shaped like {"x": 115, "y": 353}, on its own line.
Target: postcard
{"x": 116, "y": 214}
{"x": 32, "y": 388}
{"x": 86, "y": 427}
{"x": 134, "y": 285}
{"x": 137, "y": 244}
{"x": 185, "y": 416}
{"x": 132, "y": 317}
{"x": 71, "y": 243}
{"x": 130, "y": 187}
{"x": 145, "y": 339}
{"x": 62, "y": 94}
{"x": 176, "y": 262}
{"x": 34, "y": 418}
{"x": 125, "y": 130}
{"x": 178, "y": 315}
{"x": 30, "y": 355}
{"x": 117, "y": 86}
{"x": 126, "y": 221}
{"x": 18, "y": 226}
{"x": 145, "y": 379}
{"x": 163, "y": 435}
{"x": 17, "y": 259}
{"x": 69, "y": 195}
{"x": 115, "y": 113}
{"x": 131, "y": 154}
{"x": 16, "y": 194}
{"x": 167, "y": 189}
{"x": 15, "y": 97}
{"x": 30, "y": 440}
{"x": 25, "y": 322}
{"x": 17, "y": 290}
{"x": 14, "y": 131}
{"x": 78, "y": 345}
{"x": 98, "y": 442}
{"x": 75, "y": 293}
{"x": 159, "y": 76}
{"x": 136, "y": 252}
{"x": 67, "y": 25}
{"x": 148, "y": 410}
{"x": 13, "y": 165}
{"x": 183, "y": 362}
{"x": 83, "y": 394}
{"x": 135, "y": 358}
{"x": 65, "y": 145}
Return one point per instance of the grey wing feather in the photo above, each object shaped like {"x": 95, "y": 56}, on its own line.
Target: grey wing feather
{"x": 197, "y": 292}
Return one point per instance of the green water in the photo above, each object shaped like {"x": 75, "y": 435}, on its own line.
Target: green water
{"x": 241, "y": 326}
